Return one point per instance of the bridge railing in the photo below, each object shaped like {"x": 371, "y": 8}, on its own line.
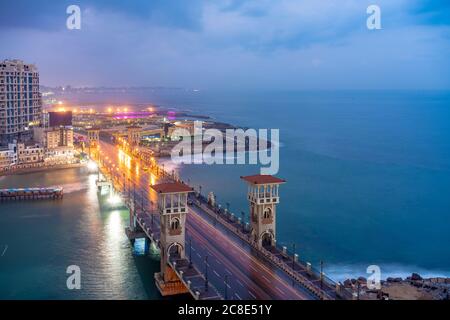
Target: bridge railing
{"x": 330, "y": 288}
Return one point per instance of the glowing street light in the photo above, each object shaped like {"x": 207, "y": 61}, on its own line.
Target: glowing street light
{"x": 114, "y": 200}
{"x": 92, "y": 166}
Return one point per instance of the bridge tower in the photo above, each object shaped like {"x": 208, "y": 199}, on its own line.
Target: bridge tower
{"x": 172, "y": 207}
{"x": 263, "y": 197}
{"x": 93, "y": 135}
{"x": 134, "y": 135}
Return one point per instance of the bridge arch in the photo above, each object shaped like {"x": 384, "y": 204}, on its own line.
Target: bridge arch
{"x": 267, "y": 238}
{"x": 174, "y": 249}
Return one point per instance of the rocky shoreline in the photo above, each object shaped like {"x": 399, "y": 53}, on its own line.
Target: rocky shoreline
{"x": 413, "y": 287}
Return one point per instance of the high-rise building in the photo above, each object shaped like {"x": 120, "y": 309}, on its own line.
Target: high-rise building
{"x": 20, "y": 100}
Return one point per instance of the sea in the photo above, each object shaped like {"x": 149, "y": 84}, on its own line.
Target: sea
{"x": 368, "y": 183}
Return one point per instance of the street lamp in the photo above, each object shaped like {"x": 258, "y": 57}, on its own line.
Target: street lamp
{"x": 321, "y": 277}
{"x": 243, "y": 219}
{"x": 293, "y": 256}
{"x": 206, "y": 273}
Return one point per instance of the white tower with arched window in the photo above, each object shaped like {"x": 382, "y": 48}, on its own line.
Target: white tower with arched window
{"x": 263, "y": 197}
{"x": 172, "y": 207}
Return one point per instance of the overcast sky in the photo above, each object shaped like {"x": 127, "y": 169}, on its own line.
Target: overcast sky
{"x": 248, "y": 44}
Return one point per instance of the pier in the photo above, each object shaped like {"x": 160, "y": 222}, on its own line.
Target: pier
{"x": 31, "y": 194}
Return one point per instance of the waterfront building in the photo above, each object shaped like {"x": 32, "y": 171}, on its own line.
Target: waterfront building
{"x": 32, "y": 153}
{"x": 188, "y": 126}
{"x": 60, "y": 155}
{"x": 20, "y": 101}
{"x": 8, "y": 156}
{"x": 54, "y": 137}
{"x": 58, "y": 144}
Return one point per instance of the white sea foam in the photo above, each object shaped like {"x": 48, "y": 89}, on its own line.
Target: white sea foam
{"x": 343, "y": 272}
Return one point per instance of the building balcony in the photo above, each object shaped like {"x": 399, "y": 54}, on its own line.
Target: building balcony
{"x": 174, "y": 209}
{"x": 263, "y": 199}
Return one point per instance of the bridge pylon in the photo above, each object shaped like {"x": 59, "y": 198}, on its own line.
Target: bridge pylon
{"x": 263, "y": 197}
{"x": 172, "y": 207}
{"x": 93, "y": 135}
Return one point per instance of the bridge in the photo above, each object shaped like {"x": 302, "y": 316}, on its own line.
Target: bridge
{"x": 206, "y": 251}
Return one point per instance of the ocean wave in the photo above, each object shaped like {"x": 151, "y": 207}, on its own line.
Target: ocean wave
{"x": 343, "y": 272}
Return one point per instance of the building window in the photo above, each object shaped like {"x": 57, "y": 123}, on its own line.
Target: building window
{"x": 175, "y": 224}
{"x": 267, "y": 213}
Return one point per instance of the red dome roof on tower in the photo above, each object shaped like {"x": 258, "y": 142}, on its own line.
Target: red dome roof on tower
{"x": 263, "y": 179}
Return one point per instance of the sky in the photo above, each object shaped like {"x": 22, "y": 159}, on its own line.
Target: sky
{"x": 233, "y": 44}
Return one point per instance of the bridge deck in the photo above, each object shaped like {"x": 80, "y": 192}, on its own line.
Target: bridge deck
{"x": 252, "y": 273}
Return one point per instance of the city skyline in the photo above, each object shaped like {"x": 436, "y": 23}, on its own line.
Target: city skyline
{"x": 293, "y": 45}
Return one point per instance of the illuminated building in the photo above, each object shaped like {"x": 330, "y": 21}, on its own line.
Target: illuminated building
{"x": 20, "y": 100}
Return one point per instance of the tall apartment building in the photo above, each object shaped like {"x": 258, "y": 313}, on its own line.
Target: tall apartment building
{"x": 20, "y": 100}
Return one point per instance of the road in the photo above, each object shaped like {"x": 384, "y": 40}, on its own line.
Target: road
{"x": 248, "y": 277}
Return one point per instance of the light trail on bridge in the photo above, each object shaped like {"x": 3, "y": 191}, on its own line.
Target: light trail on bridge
{"x": 249, "y": 277}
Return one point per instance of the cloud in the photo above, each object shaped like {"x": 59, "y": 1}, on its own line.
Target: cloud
{"x": 51, "y": 14}
{"x": 222, "y": 44}
{"x": 434, "y": 12}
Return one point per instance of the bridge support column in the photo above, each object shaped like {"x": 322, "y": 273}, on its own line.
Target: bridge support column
{"x": 93, "y": 141}
{"x": 147, "y": 246}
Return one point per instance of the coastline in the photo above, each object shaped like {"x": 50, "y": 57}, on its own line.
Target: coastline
{"x": 23, "y": 171}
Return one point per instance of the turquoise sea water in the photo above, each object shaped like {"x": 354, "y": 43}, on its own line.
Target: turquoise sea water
{"x": 40, "y": 239}
{"x": 368, "y": 183}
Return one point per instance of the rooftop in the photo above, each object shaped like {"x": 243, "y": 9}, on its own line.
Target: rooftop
{"x": 93, "y": 129}
{"x": 171, "y": 187}
{"x": 262, "y": 179}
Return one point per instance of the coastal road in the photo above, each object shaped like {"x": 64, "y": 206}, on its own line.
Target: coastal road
{"x": 247, "y": 276}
